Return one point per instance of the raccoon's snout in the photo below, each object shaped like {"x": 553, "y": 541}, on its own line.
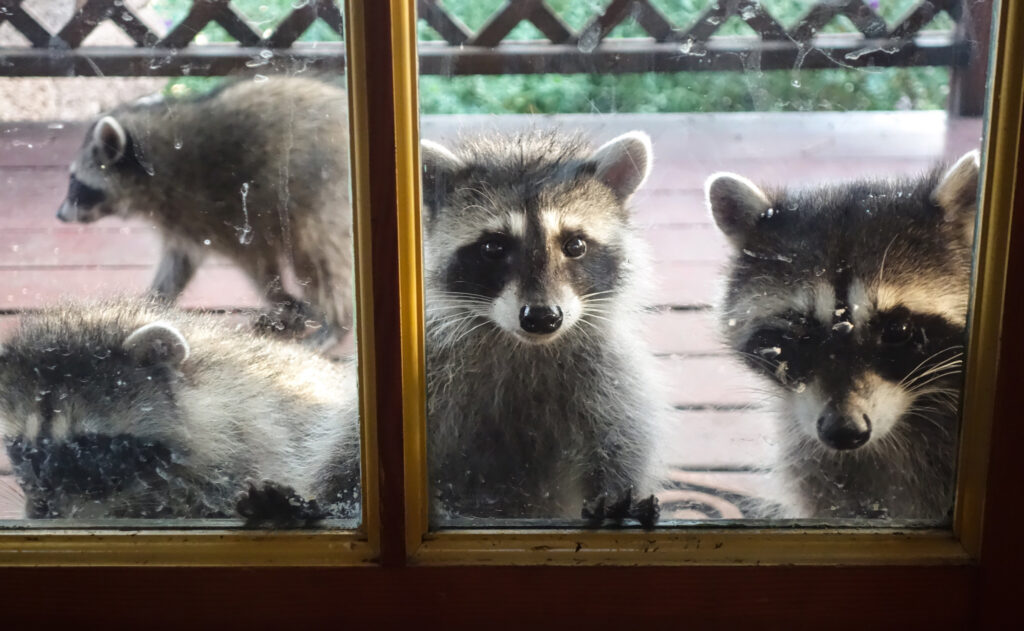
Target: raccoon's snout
{"x": 542, "y": 320}
{"x": 841, "y": 431}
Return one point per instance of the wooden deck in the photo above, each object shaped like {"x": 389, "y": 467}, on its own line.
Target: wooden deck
{"x": 722, "y": 433}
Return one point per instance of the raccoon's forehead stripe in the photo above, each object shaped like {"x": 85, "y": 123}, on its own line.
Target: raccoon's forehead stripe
{"x": 469, "y": 231}
{"x": 860, "y": 303}
{"x": 571, "y": 219}
{"x": 824, "y": 302}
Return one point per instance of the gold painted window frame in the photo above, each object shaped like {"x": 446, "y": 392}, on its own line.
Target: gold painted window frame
{"x": 694, "y": 546}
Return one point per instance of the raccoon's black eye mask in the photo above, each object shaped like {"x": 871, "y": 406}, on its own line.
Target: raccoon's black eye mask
{"x": 92, "y": 466}
{"x": 83, "y": 195}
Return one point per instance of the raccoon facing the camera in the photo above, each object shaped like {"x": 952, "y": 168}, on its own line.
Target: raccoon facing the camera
{"x": 540, "y": 395}
{"x": 133, "y": 409}
{"x": 255, "y": 171}
{"x": 852, "y": 299}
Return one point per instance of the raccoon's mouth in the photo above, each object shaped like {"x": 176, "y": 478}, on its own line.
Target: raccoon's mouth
{"x": 70, "y": 212}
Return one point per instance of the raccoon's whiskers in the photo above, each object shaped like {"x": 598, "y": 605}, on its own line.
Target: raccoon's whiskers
{"x": 881, "y": 267}
{"x": 913, "y": 374}
{"x": 592, "y": 295}
{"x": 767, "y": 363}
{"x": 469, "y": 332}
{"x": 932, "y": 375}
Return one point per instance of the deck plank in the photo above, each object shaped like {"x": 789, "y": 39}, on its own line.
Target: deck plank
{"x": 706, "y": 440}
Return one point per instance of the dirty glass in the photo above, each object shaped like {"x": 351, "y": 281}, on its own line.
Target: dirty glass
{"x": 689, "y": 262}
{"x": 177, "y": 327}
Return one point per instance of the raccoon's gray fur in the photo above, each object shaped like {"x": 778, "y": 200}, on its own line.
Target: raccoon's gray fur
{"x": 540, "y": 395}
{"x": 853, "y": 300}
{"x": 255, "y": 171}
{"x": 133, "y": 409}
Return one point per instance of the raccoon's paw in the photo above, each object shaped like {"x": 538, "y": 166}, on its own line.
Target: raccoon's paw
{"x": 593, "y": 511}
{"x": 277, "y": 506}
{"x": 280, "y": 322}
{"x": 604, "y": 508}
{"x": 646, "y": 511}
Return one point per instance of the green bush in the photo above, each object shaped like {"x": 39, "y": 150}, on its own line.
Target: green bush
{"x": 785, "y": 90}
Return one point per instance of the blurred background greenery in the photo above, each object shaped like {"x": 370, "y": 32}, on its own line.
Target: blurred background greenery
{"x": 837, "y": 89}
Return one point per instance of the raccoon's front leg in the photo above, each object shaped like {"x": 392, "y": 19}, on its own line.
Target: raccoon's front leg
{"x": 177, "y": 267}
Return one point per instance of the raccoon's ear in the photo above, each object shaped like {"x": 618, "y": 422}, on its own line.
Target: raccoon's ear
{"x": 109, "y": 140}
{"x": 439, "y": 168}
{"x": 624, "y": 162}
{"x": 957, "y": 192}
{"x": 157, "y": 343}
{"x": 735, "y": 204}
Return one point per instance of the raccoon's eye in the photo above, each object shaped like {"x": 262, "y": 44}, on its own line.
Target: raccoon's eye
{"x": 897, "y": 332}
{"x": 492, "y": 249}
{"x": 574, "y": 247}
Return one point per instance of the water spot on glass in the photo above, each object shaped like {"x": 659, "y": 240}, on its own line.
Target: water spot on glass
{"x": 769, "y": 352}
{"x": 588, "y": 40}
{"x": 842, "y": 327}
{"x": 260, "y": 78}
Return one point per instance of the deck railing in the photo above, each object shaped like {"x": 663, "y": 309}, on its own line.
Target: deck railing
{"x": 668, "y": 48}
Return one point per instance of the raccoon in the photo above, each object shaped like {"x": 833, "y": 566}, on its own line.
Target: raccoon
{"x": 130, "y": 409}
{"x": 257, "y": 172}
{"x": 852, "y": 300}
{"x": 540, "y": 401}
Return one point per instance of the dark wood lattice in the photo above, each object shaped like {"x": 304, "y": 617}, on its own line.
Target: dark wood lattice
{"x": 667, "y": 48}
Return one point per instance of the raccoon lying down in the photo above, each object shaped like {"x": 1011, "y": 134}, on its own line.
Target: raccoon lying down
{"x": 131, "y": 409}
{"x": 852, "y": 300}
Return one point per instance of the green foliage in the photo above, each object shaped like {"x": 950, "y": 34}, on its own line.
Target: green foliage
{"x": 806, "y": 90}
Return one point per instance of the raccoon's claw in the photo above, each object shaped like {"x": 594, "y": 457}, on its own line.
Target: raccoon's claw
{"x": 594, "y": 512}
{"x": 278, "y": 506}
{"x": 619, "y": 509}
{"x": 646, "y": 511}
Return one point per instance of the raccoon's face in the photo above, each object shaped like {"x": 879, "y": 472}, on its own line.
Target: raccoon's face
{"x": 58, "y": 397}
{"x": 97, "y": 173}
{"x": 528, "y": 233}
{"x": 853, "y": 300}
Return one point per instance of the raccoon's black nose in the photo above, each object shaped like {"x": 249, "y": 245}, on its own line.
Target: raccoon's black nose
{"x": 540, "y": 319}
{"x": 840, "y": 431}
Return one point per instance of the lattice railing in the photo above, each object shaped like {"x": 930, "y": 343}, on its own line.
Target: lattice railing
{"x": 668, "y": 47}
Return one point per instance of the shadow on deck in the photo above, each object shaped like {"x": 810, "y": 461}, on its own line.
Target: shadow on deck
{"x": 723, "y": 438}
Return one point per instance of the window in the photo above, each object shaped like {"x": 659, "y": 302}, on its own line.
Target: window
{"x": 728, "y": 289}
{"x": 934, "y": 561}
{"x": 180, "y": 347}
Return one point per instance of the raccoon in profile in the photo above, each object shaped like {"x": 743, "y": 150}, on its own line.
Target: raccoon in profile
{"x": 255, "y": 171}
{"x": 852, "y": 299}
{"x": 134, "y": 409}
{"x": 540, "y": 395}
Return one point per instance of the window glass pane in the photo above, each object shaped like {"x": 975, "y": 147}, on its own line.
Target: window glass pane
{"x": 717, "y": 254}
{"x": 177, "y": 335}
